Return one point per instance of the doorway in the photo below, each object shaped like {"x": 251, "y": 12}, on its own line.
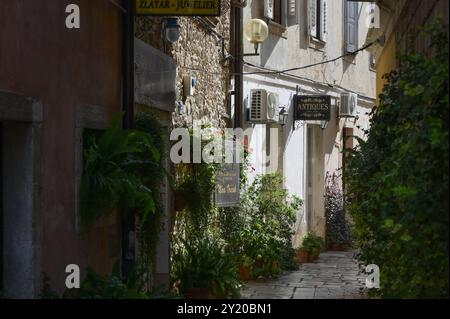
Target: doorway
{"x": 315, "y": 180}
{"x": 309, "y": 176}
{"x": 18, "y": 209}
{"x": 1, "y": 210}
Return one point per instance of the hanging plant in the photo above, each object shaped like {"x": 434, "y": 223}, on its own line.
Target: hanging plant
{"x": 152, "y": 177}
{"x": 397, "y": 180}
{"x": 110, "y": 174}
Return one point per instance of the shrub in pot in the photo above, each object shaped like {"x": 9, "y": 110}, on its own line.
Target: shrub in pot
{"x": 265, "y": 232}
{"x": 312, "y": 244}
{"x": 246, "y": 268}
{"x": 204, "y": 271}
{"x": 301, "y": 256}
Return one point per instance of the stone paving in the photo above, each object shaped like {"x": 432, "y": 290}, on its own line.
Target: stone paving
{"x": 335, "y": 275}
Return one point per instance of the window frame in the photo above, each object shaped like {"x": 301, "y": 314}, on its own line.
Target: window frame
{"x": 321, "y": 20}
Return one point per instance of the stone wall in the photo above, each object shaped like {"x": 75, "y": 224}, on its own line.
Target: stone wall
{"x": 197, "y": 53}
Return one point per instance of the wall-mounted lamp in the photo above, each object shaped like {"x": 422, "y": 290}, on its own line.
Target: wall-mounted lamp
{"x": 256, "y": 31}
{"x": 283, "y": 117}
{"x": 171, "y": 29}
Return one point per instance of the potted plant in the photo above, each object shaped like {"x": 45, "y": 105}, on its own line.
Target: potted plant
{"x": 301, "y": 256}
{"x": 312, "y": 244}
{"x": 204, "y": 271}
{"x": 246, "y": 268}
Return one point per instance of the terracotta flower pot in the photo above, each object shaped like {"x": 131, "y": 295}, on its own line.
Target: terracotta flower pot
{"x": 302, "y": 256}
{"x": 245, "y": 272}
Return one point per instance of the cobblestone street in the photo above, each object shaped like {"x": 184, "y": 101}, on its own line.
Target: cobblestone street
{"x": 335, "y": 275}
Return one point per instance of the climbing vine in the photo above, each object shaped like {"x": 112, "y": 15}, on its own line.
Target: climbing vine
{"x": 123, "y": 170}
{"x": 398, "y": 179}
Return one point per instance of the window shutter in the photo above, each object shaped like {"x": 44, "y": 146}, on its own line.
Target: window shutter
{"x": 291, "y": 12}
{"x": 313, "y": 18}
{"x": 292, "y": 8}
{"x": 324, "y": 19}
{"x": 284, "y": 13}
{"x": 352, "y": 26}
{"x": 269, "y": 9}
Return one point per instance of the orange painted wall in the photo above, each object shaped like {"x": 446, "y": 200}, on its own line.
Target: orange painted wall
{"x": 387, "y": 63}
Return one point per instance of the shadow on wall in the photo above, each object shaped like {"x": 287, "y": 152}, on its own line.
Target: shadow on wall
{"x": 332, "y": 131}
{"x": 268, "y": 47}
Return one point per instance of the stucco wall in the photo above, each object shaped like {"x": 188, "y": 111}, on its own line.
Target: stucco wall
{"x": 297, "y": 49}
{"x": 66, "y": 70}
{"x": 294, "y": 48}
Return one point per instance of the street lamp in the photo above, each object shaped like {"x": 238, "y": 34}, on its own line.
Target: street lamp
{"x": 256, "y": 31}
{"x": 171, "y": 29}
{"x": 283, "y": 117}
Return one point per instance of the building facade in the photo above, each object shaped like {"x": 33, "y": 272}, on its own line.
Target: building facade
{"x": 301, "y": 34}
{"x": 55, "y": 82}
{"x": 396, "y": 22}
{"x": 184, "y": 83}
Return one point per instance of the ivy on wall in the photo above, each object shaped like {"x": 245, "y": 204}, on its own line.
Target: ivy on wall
{"x": 123, "y": 170}
{"x": 398, "y": 179}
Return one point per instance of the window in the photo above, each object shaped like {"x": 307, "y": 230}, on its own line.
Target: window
{"x": 277, "y": 17}
{"x": 372, "y": 62}
{"x": 281, "y": 12}
{"x": 273, "y": 10}
{"x": 351, "y": 26}
{"x": 318, "y": 22}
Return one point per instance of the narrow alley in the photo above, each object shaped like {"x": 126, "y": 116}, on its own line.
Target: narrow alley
{"x": 335, "y": 275}
{"x": 224, "y": 149}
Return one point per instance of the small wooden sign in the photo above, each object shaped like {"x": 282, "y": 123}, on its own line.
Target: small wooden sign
{"x": 227, "y": 192}
{"x": 312, "y": 107}
{"x": 178, "y": 7}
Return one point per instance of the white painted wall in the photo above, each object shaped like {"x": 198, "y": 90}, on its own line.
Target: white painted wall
{"x": 294, "y": 48}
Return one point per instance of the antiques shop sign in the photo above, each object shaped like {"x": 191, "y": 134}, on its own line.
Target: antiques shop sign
{"x": 178, "y": 7}
{"x": 227, "y": 192}
{"x": 312, "y": 107}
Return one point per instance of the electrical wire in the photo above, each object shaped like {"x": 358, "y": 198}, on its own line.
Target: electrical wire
{"x": 267, "y": 71}
{"x": 314, "y": 64}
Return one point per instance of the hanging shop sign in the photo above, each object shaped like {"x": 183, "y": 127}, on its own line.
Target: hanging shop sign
{"x": 312, "y": 107}
{"x": 227, "y": 192}
{"x": 178, "y": 7}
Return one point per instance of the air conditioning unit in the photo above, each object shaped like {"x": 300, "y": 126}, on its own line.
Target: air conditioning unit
{"x": 263, "y": 106}
{"x": 349, "y": 102}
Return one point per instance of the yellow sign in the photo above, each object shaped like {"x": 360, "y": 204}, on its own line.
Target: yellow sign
{"x": 178, "y": 7}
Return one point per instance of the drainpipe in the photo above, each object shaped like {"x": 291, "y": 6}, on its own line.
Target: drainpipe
{"x": 128, "y": 223}
{"x": 238, "y": 66}
{"x": 128, "y": 65}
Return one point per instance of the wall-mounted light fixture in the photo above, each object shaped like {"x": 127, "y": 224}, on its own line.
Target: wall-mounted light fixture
{"x": 256, "y": 31}
{"x": 171, "y": 29}
{"x": 283, "y": 117}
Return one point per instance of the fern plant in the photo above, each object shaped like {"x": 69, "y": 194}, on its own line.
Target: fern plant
{"x": 111, "y": 176}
